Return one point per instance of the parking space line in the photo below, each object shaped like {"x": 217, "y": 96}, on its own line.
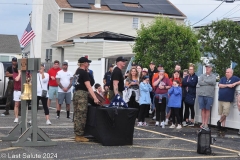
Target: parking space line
{"x": 158, "y": 148}
{"x": 214, "y": 146}
{"x": 61, "y": 110}
{"x": 153, "y": 138}
{"x": 167, "y": 158}
{"x": 9, "y": 148}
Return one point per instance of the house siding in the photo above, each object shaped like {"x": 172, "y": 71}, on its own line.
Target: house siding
{"x": 93, "y": 50}
{"x": 117, "y": 48}
{"x": 50, "y": 37}
{"x": 91, "y": 22}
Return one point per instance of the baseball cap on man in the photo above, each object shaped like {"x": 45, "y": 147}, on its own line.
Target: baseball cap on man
{"x": 152, "y": 63}
{"x": 83, "y": 60}
{"x": 65, "y": 63}
{"x": 208, "y": 65}
{"x": 121, "y": 59}
{"x": 14, "y": 59}
{"x": 160, "y": 65}
{"x": 145, "y": 70}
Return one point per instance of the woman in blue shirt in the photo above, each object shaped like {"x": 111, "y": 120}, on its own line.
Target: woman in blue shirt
{"x": 175, "y": 100}
{"x": 144, "y": 100}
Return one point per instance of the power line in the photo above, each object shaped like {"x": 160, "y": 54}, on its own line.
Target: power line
{"x": 209, "y": 13}
{"x": 230, "y": 11}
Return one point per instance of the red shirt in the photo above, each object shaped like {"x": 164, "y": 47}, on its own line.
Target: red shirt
{"x": 164, "y": 82}
{"x": 107, "y": 101}
{"x": 53, "y": 72}
{"x": 179, "y": 79}
{"x": 17, "y": 84}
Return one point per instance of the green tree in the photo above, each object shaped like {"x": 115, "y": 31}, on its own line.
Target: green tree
{"x": 221, "y": 40}
{"x": 166, "y": 42}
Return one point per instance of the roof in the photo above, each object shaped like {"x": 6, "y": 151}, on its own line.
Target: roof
{"x": 164, "y": 7}
{"x": 9, "y": 44}
{"x": 106, "y": 35}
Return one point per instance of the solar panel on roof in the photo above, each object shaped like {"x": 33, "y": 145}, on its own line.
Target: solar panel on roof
{"x": 130, "y": 1}
{"x": 147, "y": 6}
{"x": 79, "y": 3}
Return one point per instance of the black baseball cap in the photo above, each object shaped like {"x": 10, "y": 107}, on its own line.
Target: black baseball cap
{"x": 121, "y": 59}
{"x": 14, "y": 59}
{"x": 160, "y": 65}
{"x": 83, "y": 60}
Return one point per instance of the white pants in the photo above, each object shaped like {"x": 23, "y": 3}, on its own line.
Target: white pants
{"x": 17, "y": 96}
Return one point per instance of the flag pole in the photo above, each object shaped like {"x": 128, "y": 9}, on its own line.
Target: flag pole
{"x": 33, "y": 49}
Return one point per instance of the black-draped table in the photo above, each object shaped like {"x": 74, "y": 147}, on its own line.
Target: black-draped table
{"x": 111, "y": 126}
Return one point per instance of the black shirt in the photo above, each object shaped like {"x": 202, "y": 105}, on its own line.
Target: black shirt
{"x": 81, "y": 77}
{"x": 117, "y": 75}
{"x": 107, "y": 77}
{"x": 151, "y": 73}
{"x": 10, "y": 70}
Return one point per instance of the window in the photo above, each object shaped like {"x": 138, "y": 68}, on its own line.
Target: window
{"x": 68, "y": 17}
{"x": 135, "y": 24}
{"x": 49, "y": 22}
{"x": 48, "y": 55}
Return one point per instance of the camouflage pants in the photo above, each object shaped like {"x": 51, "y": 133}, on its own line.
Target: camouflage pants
{"x": 9, "y": 94}
{"x": 80, "y": 102}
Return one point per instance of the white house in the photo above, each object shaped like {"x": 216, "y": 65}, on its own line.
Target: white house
{"x": 57, "y": 20}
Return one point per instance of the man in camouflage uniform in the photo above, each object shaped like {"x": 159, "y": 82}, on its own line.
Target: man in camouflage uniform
{"x": 80, "y": 99}
{"x": 9, "y": 91}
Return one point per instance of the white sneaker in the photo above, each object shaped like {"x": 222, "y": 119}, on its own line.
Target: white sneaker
{"x": 154, "y": 118}
{"x": 48, "y": 122}
{"x": 139, "y": 124}
{"x": 57, "y": 117}
{"x": 172, "y": 126}
{"x": 179, "y": 126}
{"x": 163, "y": 124}
{"x": 157, "y": 123}
{"x": 16, "y": 120}
{"x": 166, "y": 122}
{"x": 30, "y": 122}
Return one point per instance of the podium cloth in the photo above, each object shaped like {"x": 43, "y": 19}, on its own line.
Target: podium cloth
{"x": 111, "y": 126}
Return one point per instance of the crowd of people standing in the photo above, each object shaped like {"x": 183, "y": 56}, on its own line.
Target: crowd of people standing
{"x": 173, "y": 97}
{"x": 168, "y": 97}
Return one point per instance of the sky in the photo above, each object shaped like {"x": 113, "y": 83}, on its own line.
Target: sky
{"x": 14, "y": 14}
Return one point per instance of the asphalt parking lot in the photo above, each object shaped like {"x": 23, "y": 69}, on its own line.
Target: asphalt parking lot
{"x": 149, "y": 142}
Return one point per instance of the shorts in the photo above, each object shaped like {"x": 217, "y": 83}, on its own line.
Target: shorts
{"x": 205, "y": 102}
{"x": 17, "y": 96}
{"x": 52, "y": 91}
{"x": 224, "y": 108}
{"x": 64, "y": 95}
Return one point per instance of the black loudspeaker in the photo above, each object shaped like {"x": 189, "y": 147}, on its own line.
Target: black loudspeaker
{"x": 204, "y": 141}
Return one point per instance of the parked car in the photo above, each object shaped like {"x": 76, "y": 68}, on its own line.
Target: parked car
{"x": 4, "y": 82}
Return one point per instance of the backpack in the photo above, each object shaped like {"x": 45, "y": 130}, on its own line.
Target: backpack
{"x": 203, "y": 142}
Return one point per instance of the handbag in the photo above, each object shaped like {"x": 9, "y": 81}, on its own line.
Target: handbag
{"x": 44, "y": 92}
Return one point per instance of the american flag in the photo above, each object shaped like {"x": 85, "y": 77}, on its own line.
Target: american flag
{"x": 28, "y": 35}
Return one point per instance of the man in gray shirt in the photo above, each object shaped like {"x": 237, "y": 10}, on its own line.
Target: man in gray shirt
{"x": 207, "y": 84}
